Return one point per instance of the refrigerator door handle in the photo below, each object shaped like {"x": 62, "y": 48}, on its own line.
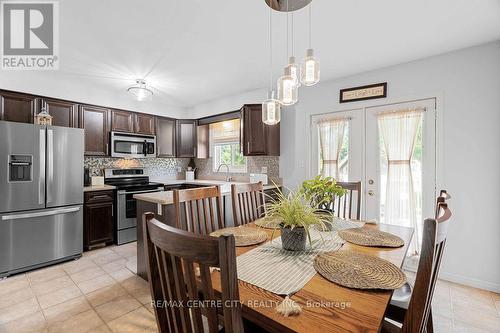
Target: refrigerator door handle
{"x": 41, "y": 177}
{"x": 39, "y": 214}
{"x": 50, "y": 164}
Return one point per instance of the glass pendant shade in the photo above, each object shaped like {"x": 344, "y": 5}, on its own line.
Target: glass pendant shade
{"x": 310, "y": 69}
{"x": 140, "y": 91}
{"x": 271, "y": 110}
{"x": 294, "y": 71}
{"x": 287, "y": 89}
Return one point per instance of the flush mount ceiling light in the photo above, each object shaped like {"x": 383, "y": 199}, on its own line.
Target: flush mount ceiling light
{"x": 140, "y": 91}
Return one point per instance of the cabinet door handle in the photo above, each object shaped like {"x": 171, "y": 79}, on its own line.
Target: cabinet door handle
{"x": 248, "y": 147}
{"x": 100, "y": 197}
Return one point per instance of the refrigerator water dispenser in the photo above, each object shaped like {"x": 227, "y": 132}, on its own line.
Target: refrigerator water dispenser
{"x": 20, "y": 168}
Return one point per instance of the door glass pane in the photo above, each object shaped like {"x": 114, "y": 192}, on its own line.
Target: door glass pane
{"x": 343, "y": 162}
{"x": 344, "y": 157}
{"x": 402, "y": 184}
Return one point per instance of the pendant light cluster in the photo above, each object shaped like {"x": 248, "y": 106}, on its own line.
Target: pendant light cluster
{"x": 307, "y": 73}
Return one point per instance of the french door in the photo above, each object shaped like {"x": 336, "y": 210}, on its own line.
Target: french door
{"x": 398, "y": 174}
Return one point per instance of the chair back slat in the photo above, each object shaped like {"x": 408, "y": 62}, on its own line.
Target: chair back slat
{"x": 349, "y": 205}
{"x": 183, "y": 297}
{"x": 199, "y": 210}
{"x": 433, "y": 243}
{"x": 248, "y": 202}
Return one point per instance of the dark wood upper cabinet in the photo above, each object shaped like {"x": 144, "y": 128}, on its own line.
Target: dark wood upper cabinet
{"x": 97, "y": 123}
{"x": 165, "y": 137}
{"x": 63, "y": 113}
{"x": 122, "y": 121}
{"x": 17, "y": 107}
{"x": 186, "y": 138}
{"x": 144, "y": 123}
{"x": 256, "y": 137}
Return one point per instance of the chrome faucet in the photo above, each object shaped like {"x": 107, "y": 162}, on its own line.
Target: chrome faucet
{"x": 228, "y": 178}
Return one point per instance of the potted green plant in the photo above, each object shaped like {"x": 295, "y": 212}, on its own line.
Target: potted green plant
{"x": 321, "y": 192}
{"x": 296, "y": 217}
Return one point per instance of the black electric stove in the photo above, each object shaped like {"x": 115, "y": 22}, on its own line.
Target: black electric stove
{"x": 133, "y": 179}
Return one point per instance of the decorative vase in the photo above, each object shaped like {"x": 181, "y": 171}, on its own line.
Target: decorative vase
{"x": 293, "y": 239}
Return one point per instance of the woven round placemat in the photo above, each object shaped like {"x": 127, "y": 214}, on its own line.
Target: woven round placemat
{"x": 268, "y": 222}
{"x": 359, "y": 271}
{"x": 243, "y": 236}
{"x": 371, "y": 237}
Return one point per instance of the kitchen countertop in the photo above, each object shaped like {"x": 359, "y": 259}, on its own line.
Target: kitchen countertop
{"x": 166, "y": 197}
{"x": 93, "y": 188}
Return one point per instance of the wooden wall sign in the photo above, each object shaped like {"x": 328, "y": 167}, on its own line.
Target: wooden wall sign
{"x": 371, "y": 91}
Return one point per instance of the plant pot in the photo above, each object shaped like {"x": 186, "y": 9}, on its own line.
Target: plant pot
{"x": 293, "y": 239}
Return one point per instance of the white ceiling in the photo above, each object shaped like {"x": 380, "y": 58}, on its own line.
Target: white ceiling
{"x": 193, "y": 51}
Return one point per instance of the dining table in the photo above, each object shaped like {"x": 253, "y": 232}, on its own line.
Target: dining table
{"x": 326, "y": 306}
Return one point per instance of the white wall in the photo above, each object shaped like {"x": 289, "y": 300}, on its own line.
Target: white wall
{"x": 80, "y": 89}
{"x": 227, "y": 104}
{"x": 467, "y": 85}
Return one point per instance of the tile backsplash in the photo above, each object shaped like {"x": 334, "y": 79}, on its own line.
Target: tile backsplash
{"x": 168, "y": 167}
{"x": 155, "y": 167}
{"x": 254, "y": 165}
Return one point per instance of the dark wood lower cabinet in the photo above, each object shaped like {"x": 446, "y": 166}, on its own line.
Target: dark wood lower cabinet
{"x": 98, "y": 219}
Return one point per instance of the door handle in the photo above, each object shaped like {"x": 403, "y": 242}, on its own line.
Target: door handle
{"x": 123, "y": 192}
{"x": 40, "y": 214}
{"x": 50, "y": 164}
{"x": 41, "y": 174}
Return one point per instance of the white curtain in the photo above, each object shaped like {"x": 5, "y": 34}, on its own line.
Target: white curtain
{"x": 399, "y": 131}
{"x": 331, "y": 139}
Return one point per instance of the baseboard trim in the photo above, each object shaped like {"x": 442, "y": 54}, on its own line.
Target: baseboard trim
{"x": 495, "y": 287}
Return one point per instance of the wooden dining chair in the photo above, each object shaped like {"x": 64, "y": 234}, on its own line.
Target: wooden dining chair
{"x": 248, "y": 202}
{"x": 199, "y": 210}
{"x": 416, "y": 315}
{"x": 349, "y": 205}
{"x": 183, "y": 301}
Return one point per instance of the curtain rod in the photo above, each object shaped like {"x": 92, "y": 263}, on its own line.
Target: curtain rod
{"x": 331, "y": 119}
{"x": 406, "y": 110}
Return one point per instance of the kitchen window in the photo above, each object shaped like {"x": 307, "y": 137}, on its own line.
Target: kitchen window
{"x": 225, "y": 143}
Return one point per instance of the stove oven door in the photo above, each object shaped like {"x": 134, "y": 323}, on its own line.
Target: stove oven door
{"x": 127, "y": 215}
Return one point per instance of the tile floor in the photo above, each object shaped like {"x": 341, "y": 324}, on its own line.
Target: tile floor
{"x": 100, "y": 293}
{"x": 97, "y": 293}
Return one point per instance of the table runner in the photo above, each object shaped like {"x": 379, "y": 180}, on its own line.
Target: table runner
{"x": 285, "y": 272}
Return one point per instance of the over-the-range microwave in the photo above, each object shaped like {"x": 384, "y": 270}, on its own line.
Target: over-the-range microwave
{"x": 132, "y": 145}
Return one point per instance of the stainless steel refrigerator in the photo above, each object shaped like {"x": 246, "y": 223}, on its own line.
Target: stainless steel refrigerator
{"x": 41, "y": 195}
